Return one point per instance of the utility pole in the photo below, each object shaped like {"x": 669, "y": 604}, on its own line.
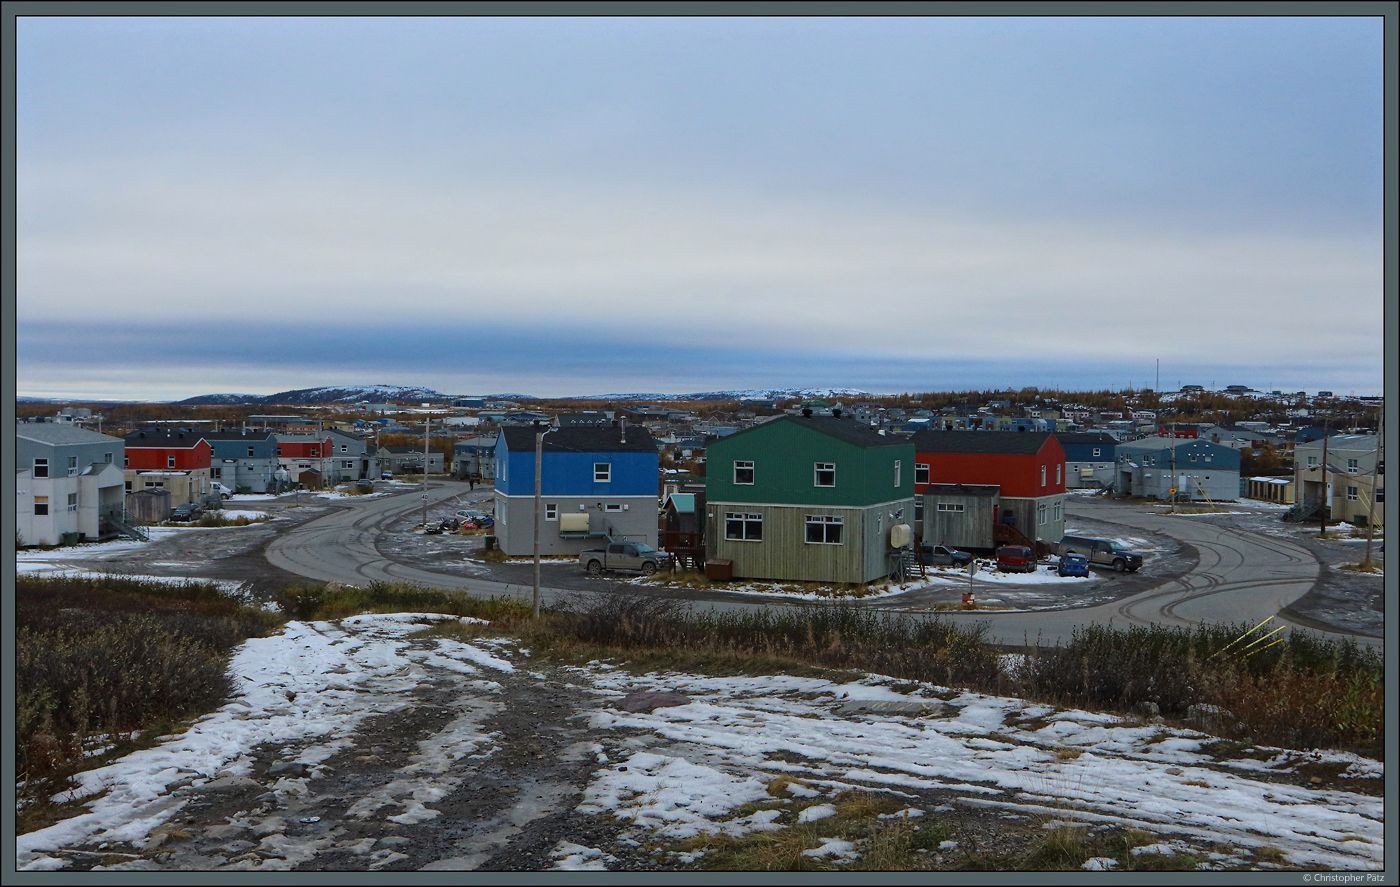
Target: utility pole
{"x": 1172, "y": 491}
{"x": 539, "y": 449}
{"x": 1326, "y": 493}
{"x": 1375, "y": 472}
{"x": 427, "y": 426}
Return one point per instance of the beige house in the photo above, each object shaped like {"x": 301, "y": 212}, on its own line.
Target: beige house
{"x": 1346, "y": 465}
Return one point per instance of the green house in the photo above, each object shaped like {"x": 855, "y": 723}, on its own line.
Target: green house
{"x": 810, "y": 499}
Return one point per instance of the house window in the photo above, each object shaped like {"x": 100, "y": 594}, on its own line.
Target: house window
{"x": 41, "y": 467}
{"x": 896, "y": 472}
{"x": 1351, "y": 465}
{"x": 315, "y": 451}
{"x": 612, "y": 507}
{"x": 743, "y": 472}
{"x": 824, "y": 474}
{"x": 1193, "y": 457}
{"x": 1351, "y": 493}
{"x": 1312, "y": 461}
{"x": 954, "y": 507}
{"x": 107, "y": 458}
{"x": 1095, "y": 453}
{"x": 250, "y": 451}
{"x": 918, "y": 511}
{"x": 128, "y": 486}
{"x": 345, "y": 448}
{"x": 920, "y": 473}
{"x": 72, "y": 501}
{"x": 1039, "y": 514}
{"x": 602, "y": 472}
{"x": 1058, "y": 469}
{"x": 1042, "y": 475}
{"x": 73, "y": 465}
{"x": 170, "y": 461}
{"x": 743, "y": 527}
{"x": 551, "y": 511}
{"x": 824, "y": 529}
{"x": 41, "y": 504}
{"x": 1057, "y": 513}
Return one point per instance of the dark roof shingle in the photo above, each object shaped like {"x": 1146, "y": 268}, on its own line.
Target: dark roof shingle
{"x": 999, "y": 442}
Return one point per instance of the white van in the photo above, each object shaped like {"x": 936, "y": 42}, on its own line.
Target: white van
{"x": 223, "y": 491}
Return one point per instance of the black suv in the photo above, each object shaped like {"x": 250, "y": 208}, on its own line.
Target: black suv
{"x": 185, "y": 512}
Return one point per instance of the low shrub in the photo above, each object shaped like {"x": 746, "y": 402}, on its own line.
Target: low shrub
{"x": 99, "y": 658}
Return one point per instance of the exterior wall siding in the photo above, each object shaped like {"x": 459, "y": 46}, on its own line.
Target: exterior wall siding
{"x": 784, "y": 553}
{"x": 157, "y": 458}
{"x": 515, "y": 529}
{"x": 970, "y": 528}
{"x": 571, "y": 474}
{"x": 784, "y": 459}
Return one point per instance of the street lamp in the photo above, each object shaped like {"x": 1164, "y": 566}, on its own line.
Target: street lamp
{"x": 539, "y": 450}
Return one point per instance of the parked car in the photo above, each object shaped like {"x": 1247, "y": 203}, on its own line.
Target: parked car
{"x": 942, "y": 555}
{"x": 1016, "y": 559}
{"x": 1103, "y": 552}
{"x": 223, "y": 491}
{"x": 185, "y": 512}
{"x": 1073, "y": 565}
{"x": 470, "y": 514}
{"x": 635, "y": 556}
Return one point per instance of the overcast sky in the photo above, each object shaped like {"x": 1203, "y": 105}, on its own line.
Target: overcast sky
{"x": 586, "y": 205}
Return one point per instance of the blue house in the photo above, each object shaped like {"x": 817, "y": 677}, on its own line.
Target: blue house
{"x": 243, "y": 460}
{"x": 1089, "y": 458}
{"x": 594, "y": 483}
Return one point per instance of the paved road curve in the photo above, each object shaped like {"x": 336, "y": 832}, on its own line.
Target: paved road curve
{"x": 1241, "y": 578}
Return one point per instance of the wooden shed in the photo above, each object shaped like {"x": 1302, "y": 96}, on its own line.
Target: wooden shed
{"x": 961, "y": 515}
{"x": 148, "y": 506}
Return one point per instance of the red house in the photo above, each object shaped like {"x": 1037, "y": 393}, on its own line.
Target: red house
{"x": 153, "y": 449}
{"x": 1027, "y": 468}
{"x": 175, "y": 460}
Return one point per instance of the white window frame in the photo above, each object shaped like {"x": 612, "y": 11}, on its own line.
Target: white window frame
{"x": 41, "y": 505}
{"x": 742, "y": 465}
{"x": 73, "y": 465}
{"x": 951, "y": 507}
{"x": 828, "y": 523}
{"x": 918, "y": 510}
{"x": 1095, "y": 453}
{"x": 1058, "y": 512}
{"x": 896, "y": 473}
{"x": 920, "y": 472}
{"x": 1059, "y": 478}
{"x": 746, "y": 521}
{"x": 602, "y": 472}
{"x": 1352, "y": 466}
{"x": 819, "y": 468}
{"x": 1042, "y": 475}
{"x": 170, "y": 460}
{"x": 551, "y": 511}
{"x": 41, "y": 468}
{"x": 1353, "y": 494}
{"x": 613, "y": 507}
{"x": 1040, "y": 515}
{"x": 72, "y": 501}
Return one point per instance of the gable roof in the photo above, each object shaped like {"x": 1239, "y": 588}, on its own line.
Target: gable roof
{"x": 1085, "y": 437}
{"x": 1022, "y": 443}
{"x": 212, "y": 436}
{"x": 847, "y": 430}
{"x": 607, "y": 439}
{"x": 164, "y": 437}
{"x": 61, "y": 434}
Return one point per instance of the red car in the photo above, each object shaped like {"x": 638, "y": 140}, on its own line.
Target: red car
{"x": 1016, "y": 558}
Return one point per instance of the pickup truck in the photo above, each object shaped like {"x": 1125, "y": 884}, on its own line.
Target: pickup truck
{"x": 942, "y": 555}
{"x": 636, "y": 556}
